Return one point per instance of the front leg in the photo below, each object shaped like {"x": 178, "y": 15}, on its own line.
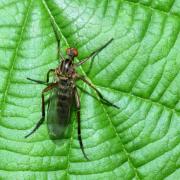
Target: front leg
{"x": 48, "y": 74}
{"x": 43, "y": 108}
{"x": 43, "y": 82}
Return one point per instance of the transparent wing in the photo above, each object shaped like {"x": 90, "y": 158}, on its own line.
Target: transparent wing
{"x": 58, "y": 116}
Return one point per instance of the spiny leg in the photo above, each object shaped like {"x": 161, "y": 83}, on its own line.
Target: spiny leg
{"x": 48, "y": 73}
{"x": 97, "y": 91}
{"x": 43, "y": 109}
{"x": 79, "y": 123}
{"x": 43, "y": 82}
{"x": 37, "y": 81}
{"x": 93, "y": 54}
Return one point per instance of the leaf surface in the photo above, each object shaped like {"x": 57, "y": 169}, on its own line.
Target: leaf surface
{"x": 138, "y": 71}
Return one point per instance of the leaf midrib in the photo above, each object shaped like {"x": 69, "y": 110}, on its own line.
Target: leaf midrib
{"x": 110, "y": 121}
{"x": 117, "y": 135}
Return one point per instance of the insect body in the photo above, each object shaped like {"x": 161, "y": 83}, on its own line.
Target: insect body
{"x": 64, "y": 93}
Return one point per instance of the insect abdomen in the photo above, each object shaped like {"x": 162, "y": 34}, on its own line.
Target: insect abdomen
{"x": 65, "y": 95}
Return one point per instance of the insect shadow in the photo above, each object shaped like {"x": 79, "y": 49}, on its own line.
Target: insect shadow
{"x": 64, "y": 94}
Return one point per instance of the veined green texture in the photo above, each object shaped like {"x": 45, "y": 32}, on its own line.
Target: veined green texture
{"x": 138, "y": 71}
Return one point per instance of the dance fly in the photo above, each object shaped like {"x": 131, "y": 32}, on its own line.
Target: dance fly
{"x": 64, "y": 94}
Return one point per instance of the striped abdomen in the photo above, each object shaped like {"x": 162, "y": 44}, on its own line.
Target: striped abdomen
{"x": 64, "y": 99}
{"x": 59, "y": 108}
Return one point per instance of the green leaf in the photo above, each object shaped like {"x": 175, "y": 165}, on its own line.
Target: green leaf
{"x": 138, "y": 71}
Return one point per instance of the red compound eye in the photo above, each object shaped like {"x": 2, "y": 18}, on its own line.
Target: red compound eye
{"x": 75, "y": 52}
{"x": 72, "y": 52}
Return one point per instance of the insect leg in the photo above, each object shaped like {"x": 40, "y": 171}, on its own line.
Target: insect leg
{"x": 97, "y": 91}
{"x": 58, "y": 41}
{"x": 48, "y": 73}
{"x": 43, "y": 109}
{"x": 58, "y": 37}
{"x": 79, "y": 123}
{"x": 43, "y": 82}
{"x": 93, "y": 54}
{"x": 37, "y": 81}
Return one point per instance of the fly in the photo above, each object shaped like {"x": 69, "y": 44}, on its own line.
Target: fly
{"x": 64, "y": 93}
